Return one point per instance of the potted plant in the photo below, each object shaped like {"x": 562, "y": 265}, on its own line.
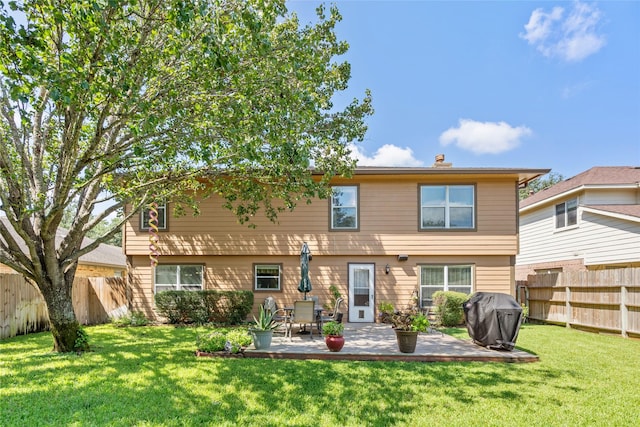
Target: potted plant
{"x": 333, "y": 335}
{"x": 262, "y": 329}
{"x": 408, "y": 324}
{"x": 385, "y": 311}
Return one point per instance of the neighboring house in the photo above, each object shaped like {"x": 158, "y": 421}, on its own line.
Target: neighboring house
{"x": 387, "y": 234}
{"x": 588, "y": 222}
{"x": 104, "y": 261}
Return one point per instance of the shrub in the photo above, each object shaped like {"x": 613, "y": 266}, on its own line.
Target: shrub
{"x": 385, "y": 311}
{"x": 448, "y": 307}
{"x": 231, "y": 340}
{"x": 210, "y": 306}
{"x": 211, "y": 342}
{"x": 136, "y": 318}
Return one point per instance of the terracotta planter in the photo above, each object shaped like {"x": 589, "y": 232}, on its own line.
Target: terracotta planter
{"x": 334, "y": 342}
{"x": 407, "y": 341}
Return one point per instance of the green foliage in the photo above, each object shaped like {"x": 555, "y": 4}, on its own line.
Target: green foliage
{"x": 82, "y": 341}
{"x": 335, "y": 294}
{"x": 385, "y": 311}
{"x": 410, "y": 320}
{"x": 230, "y": 340}
{"x": 333, "y": 328}
{"x": 149, "y": 376}
{"x": 265, "y": 321}
{"x": 210, "y": 306}
{"x": 127, "y": 101}
{"x": 211, "y": 342}
{"x": 135, "y": 318}
{"x": 448, "y": 307}
{"x": 525, "y": 312}
{"x": 539, "y": 184}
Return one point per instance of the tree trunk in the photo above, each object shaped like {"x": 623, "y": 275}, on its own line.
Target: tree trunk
{"x": 62, "y": 318}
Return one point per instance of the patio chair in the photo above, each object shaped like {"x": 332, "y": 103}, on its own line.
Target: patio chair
{"x": 303, "y": 314}
{"x": 335, "y": 315}
{"x": 279, "y": 315}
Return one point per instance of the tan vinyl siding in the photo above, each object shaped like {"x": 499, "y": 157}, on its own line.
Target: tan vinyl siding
{"x": 389, "y": 217}
{"x": 491, "y": 274}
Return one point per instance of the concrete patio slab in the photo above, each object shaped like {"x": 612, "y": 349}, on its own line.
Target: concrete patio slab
{"x": 377, "y": 342}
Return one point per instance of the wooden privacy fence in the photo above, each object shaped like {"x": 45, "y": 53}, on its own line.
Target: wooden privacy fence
{"x": 22, "y": 307}
{"x": 603, "y": 300}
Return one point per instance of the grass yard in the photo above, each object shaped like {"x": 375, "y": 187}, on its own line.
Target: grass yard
{"x": 149, "y": 377}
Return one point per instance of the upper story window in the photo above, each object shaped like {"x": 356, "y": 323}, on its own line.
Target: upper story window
{"x": 162, "y": 217}
{"x": 344, "y": 207}
{"x": 267, "y": 277}
{"x": 567, "y": 213}
{"x": 171, "y": 277}
{"x": 447, "y": 206}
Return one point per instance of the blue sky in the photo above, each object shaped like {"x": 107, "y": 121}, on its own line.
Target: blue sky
{"x": 546, "y": 84}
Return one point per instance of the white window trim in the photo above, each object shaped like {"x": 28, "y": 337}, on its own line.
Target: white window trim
{"x": 355, "y": 206}
{"x": 566, "y": 225}
{"x": 447, "y": 207}
{"x": 445, "y": 287}
{"x": 178, "y": 284}
{"x": 255, "y": 277}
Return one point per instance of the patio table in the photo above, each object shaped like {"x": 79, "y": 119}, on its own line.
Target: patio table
{"x": 318, "y": 309}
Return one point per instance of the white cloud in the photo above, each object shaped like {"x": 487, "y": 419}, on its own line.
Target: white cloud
{"x": 484, "y": 137}
{"x": 571, "y": 37}
{"x": 387, "y": 155}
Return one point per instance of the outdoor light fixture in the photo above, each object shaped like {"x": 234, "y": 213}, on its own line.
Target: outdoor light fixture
{"x": 403, "y": 257}
{"x": 387, "y": 269}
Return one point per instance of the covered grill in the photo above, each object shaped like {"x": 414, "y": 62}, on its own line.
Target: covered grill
{"x": 493, "y": 320}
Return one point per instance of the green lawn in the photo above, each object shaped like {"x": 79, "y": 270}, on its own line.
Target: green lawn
{"x": 149, "y": 377}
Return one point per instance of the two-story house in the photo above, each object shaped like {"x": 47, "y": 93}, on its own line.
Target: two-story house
{"x": 588, "y": 222}
{"x": 387, "y": 234}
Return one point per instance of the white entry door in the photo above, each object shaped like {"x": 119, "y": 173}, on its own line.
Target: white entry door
{"x": 361, "y": 292}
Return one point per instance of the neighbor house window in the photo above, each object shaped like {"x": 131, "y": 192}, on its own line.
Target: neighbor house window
{"x": 162, "y": 217}
{"x": 434, "y": 278}
{"x": 267, "y": 277}
{"x": 170, "y": 277}
{"x": 344, "y": 208}
{"x": 447, "y": 206}
{"x": 567, "y": 213}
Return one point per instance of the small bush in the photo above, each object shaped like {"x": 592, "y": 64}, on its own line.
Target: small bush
{"x": 385, "y": 311}
{"x": 210, "y": 306}
{"x": 136, "y": 318}
{"x": 231, "y": 340}
{"x": 448, "y": 307}
{"x": 82, "y": 341}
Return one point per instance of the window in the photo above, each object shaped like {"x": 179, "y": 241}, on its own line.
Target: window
{"x": 434, "y": 278}
{"x": 447, "y": 206}
{"x": 178, "y": 277}
{"x": 267, "y": 277}
{"x": 567, "y": 213}
{"x": 344, "y": 208}
{"x": 162, "y": 217}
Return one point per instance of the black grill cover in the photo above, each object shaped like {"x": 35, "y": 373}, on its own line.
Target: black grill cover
{"x": 493, "y": 320}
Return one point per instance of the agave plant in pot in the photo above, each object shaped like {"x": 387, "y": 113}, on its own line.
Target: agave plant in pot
{"x": 262, "y": 329}
{"x": 408, "y": 324}
{"x": 333, "y": 335}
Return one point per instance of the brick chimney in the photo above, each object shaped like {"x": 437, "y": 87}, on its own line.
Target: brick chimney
{"x": 440, "y": 163}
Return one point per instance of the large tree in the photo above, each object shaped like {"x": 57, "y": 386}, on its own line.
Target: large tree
{"x": 540, "y": 183}
{"x": 120, "y": 101}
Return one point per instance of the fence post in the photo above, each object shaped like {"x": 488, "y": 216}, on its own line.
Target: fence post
{"x": 624, "y": 315}
{"x": 567, "y": 305}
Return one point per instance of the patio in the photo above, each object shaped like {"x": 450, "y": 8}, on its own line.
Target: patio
{"x": 377, "y": 342}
